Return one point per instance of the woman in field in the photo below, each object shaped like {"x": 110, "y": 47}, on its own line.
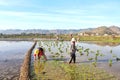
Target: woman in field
{"x": 38, "y": 53}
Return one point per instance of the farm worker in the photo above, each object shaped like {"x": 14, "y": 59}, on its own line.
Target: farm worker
{"x": 73, "y": 50}
{"x": 38, "y": 53}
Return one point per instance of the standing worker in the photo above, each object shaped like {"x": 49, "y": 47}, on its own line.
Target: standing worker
{"x": 73, "y": 51}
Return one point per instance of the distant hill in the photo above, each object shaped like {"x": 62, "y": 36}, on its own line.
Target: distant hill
{"x": 57, "y": 31}
{"x": 106, "y": 30}
{"x": 101, "y": 30}
{"x": 115, "y": 29}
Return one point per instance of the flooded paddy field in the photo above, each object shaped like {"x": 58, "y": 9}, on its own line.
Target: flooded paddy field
{"x": 11, "y": 57}
{"x": 12, "y": 54}
{"x": 103, "y": 56}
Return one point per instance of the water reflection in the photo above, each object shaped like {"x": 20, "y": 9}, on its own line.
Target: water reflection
{"x": 11, "y": 57}
{"x": 113, "y": 44}
{"x": 13, "y": 49}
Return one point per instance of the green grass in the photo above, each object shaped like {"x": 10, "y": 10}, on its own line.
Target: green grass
{"x": 56, "y": 70}
{"x": 64, "y": 37}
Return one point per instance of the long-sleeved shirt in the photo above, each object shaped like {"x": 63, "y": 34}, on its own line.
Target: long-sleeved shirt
{"x": 73, "y": 48}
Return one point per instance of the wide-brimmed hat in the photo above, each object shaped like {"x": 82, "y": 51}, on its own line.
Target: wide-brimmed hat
{"x": 73, "y": 40}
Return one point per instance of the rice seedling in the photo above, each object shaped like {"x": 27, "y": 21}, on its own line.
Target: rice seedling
{"x": 60, "y": 51}
{"x": 114, "y": 56}
{"x": 52, "y": 52}
{"x": 90, "y": 59}
{"x": 94, "y": 63}
{"x": 110, "y": 62}
{"x": 80, "y": 52}
{"x": 111, "y": 51}
{"x": 49, "y": 49}
{"x": 87, "y": 51}
{"x": 66, "y": 49}
{"x": 102, "y": 55}
{"x": 92, "y": 51}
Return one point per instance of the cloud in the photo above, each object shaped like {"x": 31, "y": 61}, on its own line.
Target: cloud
{"x": 54, "y": 18}
{"x": 6, "y": 2}
{"x": 70, "y": 11}
{"x": 12, "y": 13}
{"x": 105, "y": 5}
{"x": 12, "y": 2}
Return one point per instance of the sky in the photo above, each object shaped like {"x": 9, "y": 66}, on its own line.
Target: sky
{"x": 58, "y": 14}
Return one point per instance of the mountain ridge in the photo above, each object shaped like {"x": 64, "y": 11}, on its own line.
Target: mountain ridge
{"x": 101, "y": 30}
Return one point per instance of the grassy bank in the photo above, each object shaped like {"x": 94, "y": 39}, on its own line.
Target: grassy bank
{"x": 92, "y": 38}
{"x": 99, "y": 38}
{"x": 63, "y": 37}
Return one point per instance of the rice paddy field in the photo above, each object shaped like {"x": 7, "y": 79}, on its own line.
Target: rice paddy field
{"x": 94, "y": 62}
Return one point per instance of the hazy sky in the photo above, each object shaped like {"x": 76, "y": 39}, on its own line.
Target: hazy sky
{"x": 58, "y": 14}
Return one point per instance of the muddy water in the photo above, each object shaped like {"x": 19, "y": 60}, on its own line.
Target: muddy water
{"x": 11, "y": 56}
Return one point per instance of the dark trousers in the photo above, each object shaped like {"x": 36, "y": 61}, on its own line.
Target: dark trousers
{"x": 73, "y": 57}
